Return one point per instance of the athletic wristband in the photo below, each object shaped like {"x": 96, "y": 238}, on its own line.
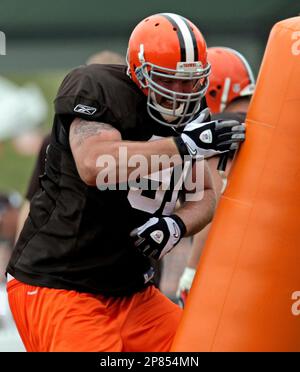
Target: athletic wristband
{"x": 180, "y": 224}
{"x": 181, "y": 146}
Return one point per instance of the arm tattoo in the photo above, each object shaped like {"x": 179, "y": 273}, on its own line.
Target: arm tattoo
{"x": 83, "y": 129}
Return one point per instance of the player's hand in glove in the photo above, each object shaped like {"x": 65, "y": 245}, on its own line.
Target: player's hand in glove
{"x": 158, "y": 235}
{"x": 211, "y": 138}
{"x": 184, "y": 286}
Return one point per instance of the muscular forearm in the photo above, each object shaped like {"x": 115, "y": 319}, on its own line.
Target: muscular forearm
{"x": 197, "y": 214}
{"x": 103, "y": 158}
{"x": 122, "y": 159}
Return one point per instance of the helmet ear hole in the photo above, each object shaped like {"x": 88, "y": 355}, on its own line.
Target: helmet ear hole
{"x": 213, "y": 93}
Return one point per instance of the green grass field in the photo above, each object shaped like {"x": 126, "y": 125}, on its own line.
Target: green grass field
{"x": 16, "y": 169}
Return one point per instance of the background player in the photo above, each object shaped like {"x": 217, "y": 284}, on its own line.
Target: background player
{"x": 228, "y": 96}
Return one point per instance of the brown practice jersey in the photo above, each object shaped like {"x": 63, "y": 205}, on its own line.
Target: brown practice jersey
{"x": 39, "y": 169}
{"x": 77, "y": 236}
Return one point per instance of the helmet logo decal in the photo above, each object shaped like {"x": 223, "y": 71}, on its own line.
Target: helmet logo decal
{"x": 157, "y": 236}
{"x": 206, "y": 136}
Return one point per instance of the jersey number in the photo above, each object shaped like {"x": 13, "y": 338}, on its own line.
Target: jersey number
{"x": 161, "y": 200}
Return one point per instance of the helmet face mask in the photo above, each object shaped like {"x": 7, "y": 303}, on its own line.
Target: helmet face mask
{"x": 176, "y": 107}
{"x": 174, "y": 85}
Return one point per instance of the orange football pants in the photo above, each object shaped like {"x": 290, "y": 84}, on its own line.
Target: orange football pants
{"x": 61, "y": 320}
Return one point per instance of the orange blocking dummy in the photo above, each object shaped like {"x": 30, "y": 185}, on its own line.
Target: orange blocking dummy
{"x": 246, "y": 293}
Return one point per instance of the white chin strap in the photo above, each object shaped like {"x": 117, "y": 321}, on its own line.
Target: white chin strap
{"x": 168, "y": 114}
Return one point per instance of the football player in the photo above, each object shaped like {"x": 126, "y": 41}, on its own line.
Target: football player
{"x": 103, "y": 57}
{"x": 228, "y": 96}
{"x": 80, "y": 276}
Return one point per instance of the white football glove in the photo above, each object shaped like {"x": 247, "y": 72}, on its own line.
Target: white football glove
{"x": 207, "y": 139}
{"x": 158, "y": 236}
{"x": 184, "y": 286}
